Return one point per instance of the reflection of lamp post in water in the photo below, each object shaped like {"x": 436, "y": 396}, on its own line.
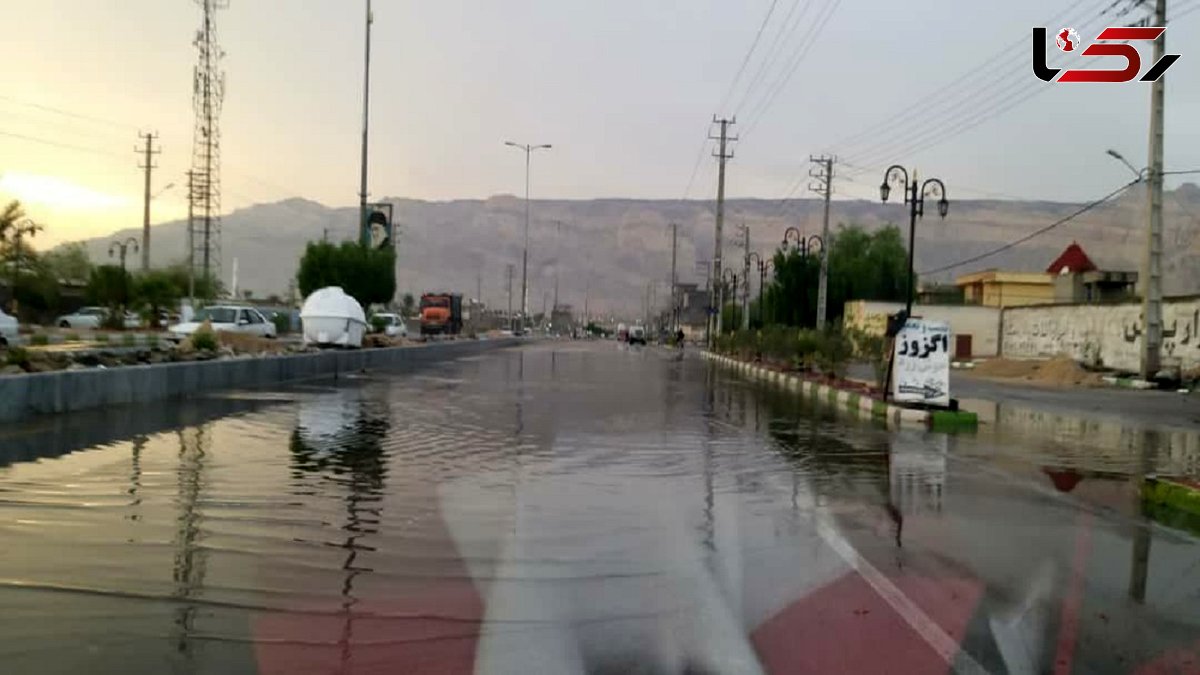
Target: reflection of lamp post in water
{"x": 190, "y": 558}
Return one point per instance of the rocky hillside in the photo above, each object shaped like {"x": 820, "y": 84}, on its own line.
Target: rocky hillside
{"x": 615, "y": 246}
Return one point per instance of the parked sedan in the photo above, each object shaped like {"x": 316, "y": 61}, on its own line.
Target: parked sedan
{"x": 8, "y": 329}
{"x": 393, "y": 325}
{"x": 84, "y": 317}
{"x": 226, "y": 318}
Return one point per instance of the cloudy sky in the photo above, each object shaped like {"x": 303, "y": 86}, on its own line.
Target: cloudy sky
{"x": 624, "y": 89}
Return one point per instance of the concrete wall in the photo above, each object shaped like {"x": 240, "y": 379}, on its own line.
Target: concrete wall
{"x": 23, "y": 396}
{"x": 1107, "y": 335}
{"x": 981, "y": 323}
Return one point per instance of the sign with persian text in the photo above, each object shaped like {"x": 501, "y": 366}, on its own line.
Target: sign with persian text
{"x": 921, "y": 363}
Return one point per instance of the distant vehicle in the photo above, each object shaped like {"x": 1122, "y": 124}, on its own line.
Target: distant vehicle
{"x": 637, "y": 335}
{"x": 441, "y": 314}
{"x": 622, "y": 333}
{"x": 331, "y": 317}
{"x": 8, "y": 328}
{"x": 92, "y": 317}
{"x": 228, "y": 319}
{"x": 393, "y": 324}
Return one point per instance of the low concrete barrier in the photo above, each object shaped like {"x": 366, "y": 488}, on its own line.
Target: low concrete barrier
{"x": 23, "y": 396}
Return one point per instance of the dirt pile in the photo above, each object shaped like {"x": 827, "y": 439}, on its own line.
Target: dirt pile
{"x": 1060, "y": 371}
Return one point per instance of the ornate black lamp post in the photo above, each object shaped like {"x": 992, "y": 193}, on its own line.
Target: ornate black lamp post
{"x": 914, "y": 195}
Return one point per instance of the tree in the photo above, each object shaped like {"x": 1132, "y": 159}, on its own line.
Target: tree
{"x": 366, "y": 274}
{"x": 69, "y": 263}
{"x": 157, "y": 290}
{"x": 862, "y": 266}
{"x": 409, "y": 304}
{"x": 108, "y": 285}
{"x": 9, "y": 217}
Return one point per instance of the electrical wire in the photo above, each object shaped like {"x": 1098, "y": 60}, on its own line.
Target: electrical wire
{"x": 66, "y": 113}
{"x": 989, "y": 86}
{"x": 807, "y": 42}
{"x": 749, "y": 53}
{"x": 1036, "y": 233}
{"x": 771, "y": 56}
{"x": 57, "y": 144}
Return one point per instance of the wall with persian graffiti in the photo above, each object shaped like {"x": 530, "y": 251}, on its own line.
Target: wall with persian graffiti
{"x": 1102, "y": 335}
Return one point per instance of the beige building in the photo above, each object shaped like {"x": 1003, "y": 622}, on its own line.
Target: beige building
{"x": 975, "y": 330}
{"x": 998, "y": 288}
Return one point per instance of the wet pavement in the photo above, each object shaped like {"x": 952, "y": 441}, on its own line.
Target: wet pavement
{"x": 583, "y": 508}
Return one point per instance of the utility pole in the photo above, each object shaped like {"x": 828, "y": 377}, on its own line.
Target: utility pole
{"x": 1152, "y": 269}
{"x": 746, "y": 277}
{"x": 722, "y": 156}
{"x": 676, "y": 301}
{"x": 510, "y": 280}
{"x": 823, "y": 173}
{"x": 148, "y": 165}
{"x": 364, "y": 233}
{"x": 557, "y": 263}
{"x": 479, "y": 287}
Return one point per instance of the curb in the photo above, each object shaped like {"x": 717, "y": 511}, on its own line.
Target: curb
{"x": 892, "y": 415}
{"x": 1128, "y": 382}
{"x": 1173, "y": 504}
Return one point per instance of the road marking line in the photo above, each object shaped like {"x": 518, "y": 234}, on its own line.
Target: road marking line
{"x": 945, "y": 646}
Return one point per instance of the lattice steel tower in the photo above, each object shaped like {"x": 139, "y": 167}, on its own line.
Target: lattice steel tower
{"x": 208, "y": 92}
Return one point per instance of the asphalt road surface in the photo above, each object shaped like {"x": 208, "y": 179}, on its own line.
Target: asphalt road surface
{"x": 572, "y": 507}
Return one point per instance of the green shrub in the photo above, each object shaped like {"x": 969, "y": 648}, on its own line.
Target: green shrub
{"x": 378, "y": 324}
{"x": 102, "y": 338}
{"x": 873, "y": 350}
{"x": 204, "y": 340}
{"x": 807, "y": 345}
{"x": 71, "y": 337}
{"x": 834, "y": 351}
{"x": 17, "y": 356}
{"x": 129, "y": 340}
{"x": 283, "y": 323}
{"x": 39, "y": 340}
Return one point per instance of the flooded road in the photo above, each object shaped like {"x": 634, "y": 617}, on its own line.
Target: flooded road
{"x": 582, "y": 508}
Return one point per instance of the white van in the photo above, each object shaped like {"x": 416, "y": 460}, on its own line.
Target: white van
{"x": 637, "y": 335}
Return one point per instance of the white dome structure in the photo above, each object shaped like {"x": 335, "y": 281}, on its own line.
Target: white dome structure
{"x": 330, "y": 317}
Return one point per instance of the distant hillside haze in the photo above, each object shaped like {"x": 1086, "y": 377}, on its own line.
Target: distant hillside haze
{"x": 612, "y": 248}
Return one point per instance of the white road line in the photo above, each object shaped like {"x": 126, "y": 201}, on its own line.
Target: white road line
{"x": 944, "y": 645}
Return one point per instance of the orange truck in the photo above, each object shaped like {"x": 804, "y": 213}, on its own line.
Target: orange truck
{"x": 441, "y": 314}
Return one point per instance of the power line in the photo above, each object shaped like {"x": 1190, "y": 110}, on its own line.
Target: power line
{"x": 807, "y": 42}
{"x": 984, "y": 81}
{"x": 749, "y": 54}
{"x": 68, "y": 113}
{"x": 1000, "y": 249}
{"x": 57, "y": 144}
{"x": 772, "y": 54}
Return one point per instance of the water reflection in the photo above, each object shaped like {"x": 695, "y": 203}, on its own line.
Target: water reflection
{"x": 190, "y": 557}
{"x": 339, "y": 439}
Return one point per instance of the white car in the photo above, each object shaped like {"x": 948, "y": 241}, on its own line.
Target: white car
{"x": 8, "y": 329}
{"x": 226, "y": 318}
{"x": 92, "y": 317}
{"x": 393, "y": 325}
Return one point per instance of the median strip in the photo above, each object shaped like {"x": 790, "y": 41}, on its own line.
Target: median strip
{"x": 854, "y": 401}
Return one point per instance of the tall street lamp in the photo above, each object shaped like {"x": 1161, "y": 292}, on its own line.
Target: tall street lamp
{"x": 805, "y": 245}
{"x": 528, "y": 150}
{"x": 914, "y": 195}
{"x": 764, "y": 264}
{"x": 123, "y": 247}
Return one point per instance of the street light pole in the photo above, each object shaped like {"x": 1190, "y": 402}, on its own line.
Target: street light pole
{"x": 123, "y": 247}
{"x": 914, "y": 196}
{"x": 363, "y": 234}
{"x": 804, "y": 244}
{"x": 528, "y": 149}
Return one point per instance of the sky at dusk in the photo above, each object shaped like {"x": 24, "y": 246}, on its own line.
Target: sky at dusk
{"x": 623, "y": 89}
